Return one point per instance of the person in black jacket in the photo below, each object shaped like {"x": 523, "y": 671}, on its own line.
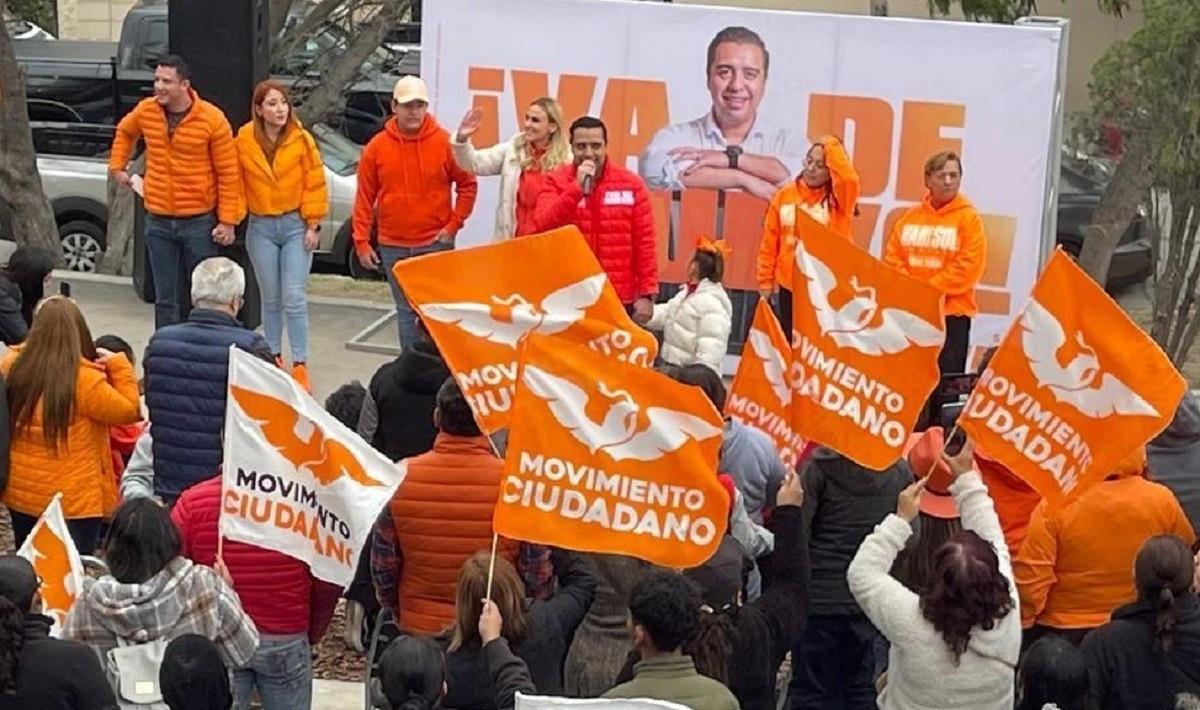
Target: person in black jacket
{"x": 397, "y": 415}
{"x": 743, "y": 645}
{"x": 1149, "y": 653}
{"x": 540, "y": 631}
{"x": 834, "y": 661}
{"x": 22, "y": 285}
{"x": 412, "y": 671}
{"x": 38, "y": 672}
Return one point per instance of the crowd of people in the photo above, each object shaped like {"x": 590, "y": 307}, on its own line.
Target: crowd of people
{"x": 939, "y": 582}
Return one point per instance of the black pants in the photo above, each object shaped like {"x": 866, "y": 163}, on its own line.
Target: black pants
{"x": 953, "y": 359}
{"x": 84, "y": 531}
{"x": 833, "y": 665}
{"x": 784, "y": 311}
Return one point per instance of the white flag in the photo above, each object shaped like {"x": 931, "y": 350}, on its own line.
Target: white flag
{"x": 539, "y": 702}
{"x": 295, "y": 479}
{"x": 51, "y": 551}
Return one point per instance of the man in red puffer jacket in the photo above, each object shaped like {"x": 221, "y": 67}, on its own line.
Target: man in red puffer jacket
{"x": 611, "y": 206}
{"x": 289, "y": 606}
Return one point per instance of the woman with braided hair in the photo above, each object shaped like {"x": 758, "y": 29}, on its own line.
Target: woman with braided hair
{"x": 38, "y": 672}
{"x": 1149, "y": 653}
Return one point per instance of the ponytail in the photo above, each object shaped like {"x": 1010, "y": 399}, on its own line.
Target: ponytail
{"x": 12, "y": 639}
{"x": 1164, "y": 622}
{"x": 711, "y": 646}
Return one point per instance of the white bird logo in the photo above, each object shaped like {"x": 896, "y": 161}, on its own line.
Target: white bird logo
{"x": 848, "y": 325}
{"x": 1080, "y": 383}
{"x": 507, "y": 320}
{"x": 773, "y": 363}
{"x": 618, "y": 434}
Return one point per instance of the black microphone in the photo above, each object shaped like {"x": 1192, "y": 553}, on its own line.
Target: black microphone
{"x": 587, "y": 184}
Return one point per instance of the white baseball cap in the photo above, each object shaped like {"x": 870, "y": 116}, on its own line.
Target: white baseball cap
{"x": 410, "y": 88}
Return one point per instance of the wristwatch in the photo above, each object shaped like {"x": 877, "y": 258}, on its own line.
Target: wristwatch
{"x": 732, "y": 152}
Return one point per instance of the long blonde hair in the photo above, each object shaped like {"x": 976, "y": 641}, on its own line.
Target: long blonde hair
{"x": 558, "y": 149}
{"x": 508, "y": 592}
{"x": 46, "y": 370}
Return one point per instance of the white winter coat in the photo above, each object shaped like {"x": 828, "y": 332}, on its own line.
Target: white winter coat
{"x": 921, "y": 671}
{"x": 503, "y": 159}
{"x": 695, "y": 327}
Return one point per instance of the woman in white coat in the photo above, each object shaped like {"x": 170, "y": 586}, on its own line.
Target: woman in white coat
{"x": 696, "y": 322}
{"x": 521, "y": 162}
{"x": 956, "y": 644}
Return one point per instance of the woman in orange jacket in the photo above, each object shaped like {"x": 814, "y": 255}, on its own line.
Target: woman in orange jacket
{"x": 1075, "y": 564}
{"x": 285, "y": 193}
{"x": 941, "y": 242}
{"x": 63, "y": 395}
{"x": 827, "y": 191}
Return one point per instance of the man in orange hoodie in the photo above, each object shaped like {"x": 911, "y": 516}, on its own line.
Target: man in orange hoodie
{"x": 1075, "y": 564}
{"x": 405, "y": 175}
{"x": 941, "y": 242}
{"x": 193, "y": 184}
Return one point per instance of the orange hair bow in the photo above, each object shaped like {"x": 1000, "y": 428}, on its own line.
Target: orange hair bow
{"x": 714, "y": 246}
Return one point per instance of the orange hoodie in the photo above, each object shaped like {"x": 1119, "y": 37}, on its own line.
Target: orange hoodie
{"x": 777, "y": 250}
{"x": 943, "y": 246}
{"x": 1014, "y": 498}
{"x": 1076, "y": 564}
{"x": 404, "y": 188}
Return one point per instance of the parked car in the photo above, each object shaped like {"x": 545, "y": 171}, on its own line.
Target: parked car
{"x": 73, "y": 164}
{"x": 1081, "y": 183}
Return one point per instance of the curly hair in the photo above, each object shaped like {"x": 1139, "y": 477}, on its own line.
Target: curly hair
{"x": 711, "y": 646}
{"x": 1163, "y": 572}
{"x": 667, "y": 606}
{"x": 966, "y": 590}
{"x": 18, "y": 586}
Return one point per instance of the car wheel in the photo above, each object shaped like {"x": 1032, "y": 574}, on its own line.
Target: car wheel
{"x": 355, "y": 268}
{"x": 82, "y": 244}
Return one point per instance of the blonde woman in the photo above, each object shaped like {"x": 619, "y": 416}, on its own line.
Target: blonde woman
{"x": 522, "y": 162}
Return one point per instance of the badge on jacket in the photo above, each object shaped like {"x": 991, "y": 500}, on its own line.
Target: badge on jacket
{"x": 618, "y": 197}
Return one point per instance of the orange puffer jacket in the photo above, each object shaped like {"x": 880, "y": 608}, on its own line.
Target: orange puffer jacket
{"x": 295, "y": 180}
{"x": 191, "y": 172}
{"x": 443, "y": 515}
{"x": 82, "y": 467}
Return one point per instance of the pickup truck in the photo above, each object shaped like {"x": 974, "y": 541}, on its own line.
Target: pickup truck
{"x": 99, "y": 82}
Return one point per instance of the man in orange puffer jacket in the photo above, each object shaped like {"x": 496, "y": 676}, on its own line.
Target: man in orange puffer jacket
{"x": 192, "y": 171}
{"x": 941, "y": 242}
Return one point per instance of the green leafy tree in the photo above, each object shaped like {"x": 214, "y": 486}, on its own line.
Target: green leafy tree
{"x": 1009, "y": 10}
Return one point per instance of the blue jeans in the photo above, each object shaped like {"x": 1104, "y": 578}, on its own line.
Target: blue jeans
{"x": 176, "y": 246}
{"x": 281, "y": 669}
{"x": 406, "y": 317}
{"x": 281, "y": 263}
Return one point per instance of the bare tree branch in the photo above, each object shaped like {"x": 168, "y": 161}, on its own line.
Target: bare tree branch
{"x": 279, "y": 13}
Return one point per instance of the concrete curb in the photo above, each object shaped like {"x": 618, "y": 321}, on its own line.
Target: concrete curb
{"x": 111, "y": 280}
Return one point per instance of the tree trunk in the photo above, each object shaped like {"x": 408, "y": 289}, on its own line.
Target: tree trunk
{"x": 879, "y": 8}
{"x": 118, "y": 254}
{"x": 311, "y": 20}
{"x": 326, "y": 98}
{"x": 20, "y": 183}
{"x": 279, "y": 10}
{"x": 1116, "y": 210}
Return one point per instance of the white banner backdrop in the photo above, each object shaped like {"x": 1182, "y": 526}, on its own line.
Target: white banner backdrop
{"x": 895, "y": 90}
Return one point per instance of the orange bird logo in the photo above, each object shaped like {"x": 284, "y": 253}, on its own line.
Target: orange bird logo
{"x": 53, "y": 564}
{"x": 326, "y": 459}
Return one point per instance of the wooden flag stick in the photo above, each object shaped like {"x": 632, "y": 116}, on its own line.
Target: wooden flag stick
{"x": 492, "y": 565}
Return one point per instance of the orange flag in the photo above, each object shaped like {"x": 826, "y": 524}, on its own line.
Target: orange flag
{"x": 865, "y": 347}
{"x": 479, "y": 304}
{"x": 1075, "y": 387}
{"x": 611, "y": 457}
{"x": 761, "y": 396}
{"x": 51, "y": 551}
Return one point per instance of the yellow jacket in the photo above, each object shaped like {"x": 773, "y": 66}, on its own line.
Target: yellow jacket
{"x": 82, "y": 466}
{"x": 294, "y": 181}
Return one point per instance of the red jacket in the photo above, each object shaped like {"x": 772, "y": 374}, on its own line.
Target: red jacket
{"x": 616, "y": 219}
{"x": 404, "y": 188}
{"x": 277, "y": 591}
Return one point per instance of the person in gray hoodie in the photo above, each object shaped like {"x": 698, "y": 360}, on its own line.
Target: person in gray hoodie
{"x": 834, "y": 661}
{"x": 1173, "y": 457}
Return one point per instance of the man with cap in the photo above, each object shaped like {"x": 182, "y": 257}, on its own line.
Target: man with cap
{"x": 405, "y": 176}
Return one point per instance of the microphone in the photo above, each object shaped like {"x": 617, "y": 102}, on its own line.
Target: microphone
{"x": 587, "y": 184}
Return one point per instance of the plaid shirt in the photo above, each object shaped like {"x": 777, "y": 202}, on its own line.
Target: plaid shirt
{"x": 184, "y": 598}
{"x": 387, "y": 562}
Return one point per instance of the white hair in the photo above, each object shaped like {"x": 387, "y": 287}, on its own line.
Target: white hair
{"x": 217, "y": 281}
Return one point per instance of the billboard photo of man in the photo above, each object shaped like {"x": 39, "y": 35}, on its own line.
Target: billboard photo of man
{"x": 731, "y": 147}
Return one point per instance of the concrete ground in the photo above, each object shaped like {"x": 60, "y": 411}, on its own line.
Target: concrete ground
{"x": 110, "y": 306}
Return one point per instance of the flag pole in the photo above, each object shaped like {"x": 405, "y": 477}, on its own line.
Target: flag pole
{"x": 492, "y": 565}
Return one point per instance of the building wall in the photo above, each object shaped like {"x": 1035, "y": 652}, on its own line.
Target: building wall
{"x": 1092, "y": 32}
{"x": 92, "y": 19}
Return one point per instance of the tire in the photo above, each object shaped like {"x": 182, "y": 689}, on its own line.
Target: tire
{"x": 83, "y": 244}
{"x": 356, "y": 270}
